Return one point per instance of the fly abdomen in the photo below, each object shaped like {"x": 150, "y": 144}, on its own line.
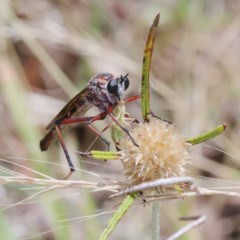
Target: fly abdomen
{"x": 46, "y": 141}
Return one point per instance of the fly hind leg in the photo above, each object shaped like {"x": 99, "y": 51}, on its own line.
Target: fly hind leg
{"x": 70, "y": 164}
{"x": 89, "y": 121}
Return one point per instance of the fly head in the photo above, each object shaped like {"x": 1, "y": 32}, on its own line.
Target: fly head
{"x": 118, "y": 85}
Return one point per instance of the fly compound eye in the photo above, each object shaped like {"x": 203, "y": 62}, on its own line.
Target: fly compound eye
{"x": 112, "y": 87}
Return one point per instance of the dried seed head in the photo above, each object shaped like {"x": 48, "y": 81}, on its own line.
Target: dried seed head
{"x": 162, "y": 153}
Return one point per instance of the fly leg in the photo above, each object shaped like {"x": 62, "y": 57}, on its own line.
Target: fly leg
{"x": 131, "y": 99}
{"x": 123, "y": 128}
{"x": 127, "y": 100}
{"x": 70, "y": 164}
{"x": 160, "y": 118}
{"x": 89, "y": 121}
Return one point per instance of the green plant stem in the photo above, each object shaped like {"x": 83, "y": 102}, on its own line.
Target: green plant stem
{"x": 117, "y": 216}
{"x": 101, "y": 155}
{"x": 208, "y": 135}
{"x": 156, "y": 221}
{"x": 147, "y": 57}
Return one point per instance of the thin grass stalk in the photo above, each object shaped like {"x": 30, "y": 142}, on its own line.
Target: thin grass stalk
{"x": 155, "y": 221}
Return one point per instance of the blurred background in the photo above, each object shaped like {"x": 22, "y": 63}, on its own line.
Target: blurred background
{"x": 48, "y": 52}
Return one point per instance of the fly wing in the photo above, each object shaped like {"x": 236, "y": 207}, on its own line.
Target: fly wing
{"x": 77, "y": 106}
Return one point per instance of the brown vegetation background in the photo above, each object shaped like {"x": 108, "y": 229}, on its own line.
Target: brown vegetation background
{"x": 48, "y": 52}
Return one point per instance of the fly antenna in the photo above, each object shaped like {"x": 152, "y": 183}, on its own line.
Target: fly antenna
{"x": 123, "y": 77}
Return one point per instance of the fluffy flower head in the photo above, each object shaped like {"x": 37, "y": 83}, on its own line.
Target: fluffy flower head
{"x": 162, "y": 152}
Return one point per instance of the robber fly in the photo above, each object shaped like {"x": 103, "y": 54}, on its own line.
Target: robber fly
{"x": 103, "y": 91}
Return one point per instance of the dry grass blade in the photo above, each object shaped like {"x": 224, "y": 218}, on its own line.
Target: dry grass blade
{"x": 188, "y": 228}
{"x": 59, "y": 183}
{"x": 154, "y": 184}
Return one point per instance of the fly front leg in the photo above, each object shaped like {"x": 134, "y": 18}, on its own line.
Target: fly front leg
{"x": 131, "y": 99}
